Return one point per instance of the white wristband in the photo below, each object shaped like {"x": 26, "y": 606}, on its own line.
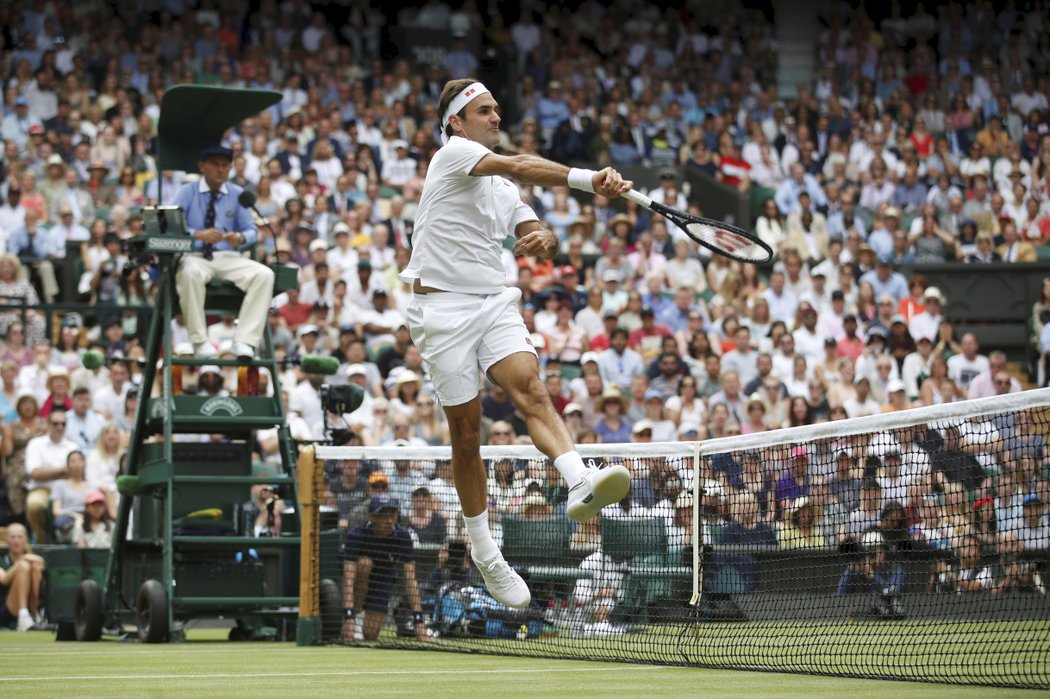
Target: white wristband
{"x": 582, "y": 179}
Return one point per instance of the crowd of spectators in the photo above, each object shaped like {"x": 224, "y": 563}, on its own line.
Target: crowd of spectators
{"x": 919, "y": 139}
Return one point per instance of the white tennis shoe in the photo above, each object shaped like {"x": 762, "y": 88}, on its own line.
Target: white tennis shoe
{"x": 599, "y": 487}
{"x": 505, "y": 585}
{"x": 244, "y": 351}
{"x": 205, "y": 350}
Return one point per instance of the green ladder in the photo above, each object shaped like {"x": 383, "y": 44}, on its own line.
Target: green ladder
{"x": 165, "y": 567}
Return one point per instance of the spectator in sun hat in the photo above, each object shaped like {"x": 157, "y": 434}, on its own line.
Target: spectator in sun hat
{"x": 927, "y": 321}
{"x": 612, "y": 424}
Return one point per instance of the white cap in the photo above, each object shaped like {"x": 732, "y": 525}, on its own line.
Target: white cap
{"x": 641, "y": 425}
{"x": 307, "y": 328}
{"x": 355, "y": 369}
{"x": 572, "y": 407}
{"x": 318, "y": 245}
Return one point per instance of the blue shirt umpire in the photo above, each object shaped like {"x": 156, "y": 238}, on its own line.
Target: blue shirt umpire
{"x": 222, "y": 228}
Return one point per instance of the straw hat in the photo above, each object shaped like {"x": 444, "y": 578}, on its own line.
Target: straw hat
{"x": 612, "y": 394}
{"x": 757, "y": 398}
{"x": 56, "y": 372}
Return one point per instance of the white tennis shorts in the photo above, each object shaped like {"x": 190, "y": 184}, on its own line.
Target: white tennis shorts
{"x": 461, "y": 335}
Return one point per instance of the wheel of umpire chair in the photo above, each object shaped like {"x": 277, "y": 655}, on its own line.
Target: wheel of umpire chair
{"x": 87, "y": 614}
{"x": 331, "y": 604}
{"x": 152, "y": 612}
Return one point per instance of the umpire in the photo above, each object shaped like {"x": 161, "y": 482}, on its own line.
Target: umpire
{"x": 372, "y": 555}
{"x": 222, "y": 228}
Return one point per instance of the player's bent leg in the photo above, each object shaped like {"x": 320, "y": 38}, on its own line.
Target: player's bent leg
{"x": 591, "y": 488}
{"x": 518, "y": 375}
{"x": 468, "y": 473}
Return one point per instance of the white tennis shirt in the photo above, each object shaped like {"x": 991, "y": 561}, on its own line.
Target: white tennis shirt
{"x": 461, "y": 223}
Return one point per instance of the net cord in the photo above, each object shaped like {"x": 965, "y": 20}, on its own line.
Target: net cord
{"x": 872, "y": 423}
{"x": 488, "y": 453}
{"x": 882, "y": 422}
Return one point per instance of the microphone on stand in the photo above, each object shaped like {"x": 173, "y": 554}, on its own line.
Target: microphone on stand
{"x": 247, "y": 200}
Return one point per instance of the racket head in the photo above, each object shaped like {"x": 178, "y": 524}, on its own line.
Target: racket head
{"x": 727, "y": 240}
{"x": 717, "y": 236}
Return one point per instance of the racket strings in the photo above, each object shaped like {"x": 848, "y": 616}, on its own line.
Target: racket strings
{"x": 728, "y": 242}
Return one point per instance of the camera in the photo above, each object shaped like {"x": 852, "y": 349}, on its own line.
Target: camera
{"x": 340, "y": 399}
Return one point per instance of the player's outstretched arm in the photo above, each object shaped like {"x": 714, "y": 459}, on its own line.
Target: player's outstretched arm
{"x": 532, "y": 169}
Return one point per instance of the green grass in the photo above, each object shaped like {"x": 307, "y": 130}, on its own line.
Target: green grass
{"x": 33, "y": 664}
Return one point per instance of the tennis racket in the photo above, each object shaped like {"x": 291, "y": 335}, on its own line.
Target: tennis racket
{"x": 717, "y": 236}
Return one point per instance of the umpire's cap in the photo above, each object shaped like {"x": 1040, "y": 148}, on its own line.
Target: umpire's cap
{"x": 216, "y": 150}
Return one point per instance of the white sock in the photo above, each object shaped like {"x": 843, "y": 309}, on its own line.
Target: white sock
{"x": 570, "y": 466}
{"x": 481, "y": 540}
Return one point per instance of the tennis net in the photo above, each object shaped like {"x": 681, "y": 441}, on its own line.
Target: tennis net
{"x": 907, "y": 546}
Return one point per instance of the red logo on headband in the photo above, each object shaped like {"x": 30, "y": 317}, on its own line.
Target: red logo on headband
{"x": 469, "y": 92}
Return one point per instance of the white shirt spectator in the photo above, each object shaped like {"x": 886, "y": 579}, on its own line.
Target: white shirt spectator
{"x": 688, "y": 272}
{"x": 42, "y": 452}
{"x": 619, "y": 369}
{"x": 342, "y": 263}
{"x": 962, "y": 370}
{"x": 855, "y": 408}
{"x": 745, "y": 365}
{"x": 101, "y": 471}
{"x": 306, "y": 401}
{"x": 781, "y": 307}
{"x": 398, "y": 171}
{"x": 810, "y": 345}
{"x": 924, "y": 325}
{"x": 590, "y": 321}
{"x": 390, "y": 318}
{"x": 601, "y": 573}
{"x": 109, "y": 402}
{"x": 84, "y": 430}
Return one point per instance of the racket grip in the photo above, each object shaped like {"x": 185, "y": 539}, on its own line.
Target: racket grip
{"x": 637, "y": 197}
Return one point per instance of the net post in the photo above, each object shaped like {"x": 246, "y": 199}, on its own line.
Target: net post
{"x": 698, "y": 531}
{"x": 308, "y": 629}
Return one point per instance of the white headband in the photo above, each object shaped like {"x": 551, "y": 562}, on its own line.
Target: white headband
{"x": 458, "y": 103}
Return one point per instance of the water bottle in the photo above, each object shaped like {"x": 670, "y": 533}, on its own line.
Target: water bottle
{"x": 523, "y": 632}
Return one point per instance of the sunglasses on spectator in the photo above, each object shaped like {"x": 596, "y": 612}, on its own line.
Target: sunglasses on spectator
{"x": 58, "y": 423}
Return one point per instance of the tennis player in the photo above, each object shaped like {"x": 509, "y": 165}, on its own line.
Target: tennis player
{"x": 221, "y": 228}
{"x": 465, "y": 321}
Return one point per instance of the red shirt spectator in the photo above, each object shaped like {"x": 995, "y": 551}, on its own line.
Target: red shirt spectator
{"x": 294, "y": 312}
